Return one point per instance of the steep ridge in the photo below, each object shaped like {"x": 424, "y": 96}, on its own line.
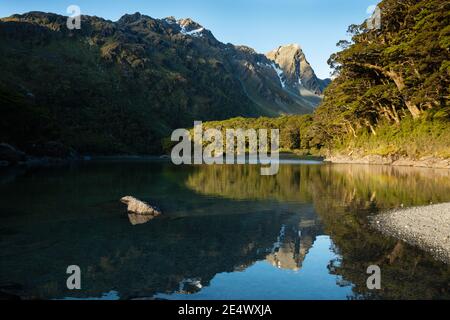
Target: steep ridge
{"x": 121, "y": 86}
{"x": 298, "y": 72}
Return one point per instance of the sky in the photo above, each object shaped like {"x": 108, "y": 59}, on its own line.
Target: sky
{"x": 316, "y": 25}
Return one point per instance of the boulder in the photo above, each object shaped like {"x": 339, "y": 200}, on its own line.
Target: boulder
{"x": 139, "y": 207}
{"x": 10, "y": 155}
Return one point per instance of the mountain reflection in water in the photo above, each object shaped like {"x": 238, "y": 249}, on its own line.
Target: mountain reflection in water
{"x": 226, "y": 233}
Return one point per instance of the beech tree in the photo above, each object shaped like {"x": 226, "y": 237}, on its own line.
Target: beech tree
{"x": 399, "y": 70}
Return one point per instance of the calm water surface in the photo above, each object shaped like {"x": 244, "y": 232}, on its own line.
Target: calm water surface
{"x": 226, "y": 232}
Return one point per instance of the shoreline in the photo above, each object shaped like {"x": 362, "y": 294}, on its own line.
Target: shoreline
{"x": 425, "y": 162}
{"x": 426, "y": 227}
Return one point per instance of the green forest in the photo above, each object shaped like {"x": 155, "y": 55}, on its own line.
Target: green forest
{"x": 122, "y": 87}
{"x": 390, "y": 95}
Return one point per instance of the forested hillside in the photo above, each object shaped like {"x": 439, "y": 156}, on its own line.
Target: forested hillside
{"x": 120, "y": 87}
{"x": 390, "y": 95}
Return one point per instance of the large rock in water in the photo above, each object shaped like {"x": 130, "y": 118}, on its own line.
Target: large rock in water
{"x": 139, "y": 207}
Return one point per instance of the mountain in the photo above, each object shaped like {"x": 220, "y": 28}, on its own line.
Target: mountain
{"x": 119, "y": 87}
{"x": 264, "y": 83}
{"x": 299, "y": 75}
{"x": 389, "y": 99}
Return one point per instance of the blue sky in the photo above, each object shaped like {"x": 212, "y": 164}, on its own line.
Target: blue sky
{"x": 317, "y": 25}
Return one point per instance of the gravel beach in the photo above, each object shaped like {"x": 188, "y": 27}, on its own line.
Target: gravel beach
{"x": 426, "y": 227}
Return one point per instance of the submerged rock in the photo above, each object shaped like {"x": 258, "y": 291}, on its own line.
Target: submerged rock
{"x": 136, "y": 219}
{"x": 138, "y": 207}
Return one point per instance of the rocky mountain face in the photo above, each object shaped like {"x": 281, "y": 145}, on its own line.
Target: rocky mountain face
{"x": 297, "y": 71}
{"x": 265, "y": 84}
{"x": 119, "y": 87}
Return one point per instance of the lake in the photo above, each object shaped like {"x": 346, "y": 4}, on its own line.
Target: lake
{"x": 226, "y": 231}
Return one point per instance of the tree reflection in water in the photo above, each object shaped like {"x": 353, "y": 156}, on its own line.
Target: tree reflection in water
{"x": 217, "y": 219}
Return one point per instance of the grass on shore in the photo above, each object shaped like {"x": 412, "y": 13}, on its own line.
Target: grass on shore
{"x": 410, "y": 138}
